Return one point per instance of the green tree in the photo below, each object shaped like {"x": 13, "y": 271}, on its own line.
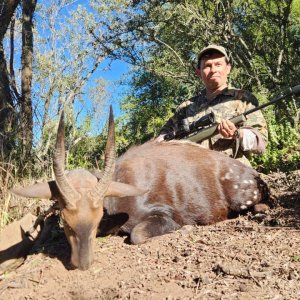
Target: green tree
{"x": 262, "y": 37}
{"x": 67, "y": 57}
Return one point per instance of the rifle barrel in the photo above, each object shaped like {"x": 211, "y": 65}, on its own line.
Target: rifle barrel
{"x": 292, "y": 91}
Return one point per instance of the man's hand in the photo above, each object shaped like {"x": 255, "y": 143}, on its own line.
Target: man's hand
{"x": 227, "y": 129}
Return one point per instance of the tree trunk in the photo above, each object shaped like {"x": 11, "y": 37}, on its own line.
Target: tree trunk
{"x": 7, "y": 9}
{"x": 27, "y": 57}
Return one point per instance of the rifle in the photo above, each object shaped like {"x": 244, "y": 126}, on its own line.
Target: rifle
{"x": 206, "y": 126}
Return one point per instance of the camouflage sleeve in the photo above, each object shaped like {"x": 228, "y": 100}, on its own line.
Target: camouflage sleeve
{"x": 174, "y": 123}
{"x": 257, "y": 124}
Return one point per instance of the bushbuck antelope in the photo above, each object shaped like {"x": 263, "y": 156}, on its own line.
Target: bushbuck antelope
{"x": 151, "y": 190}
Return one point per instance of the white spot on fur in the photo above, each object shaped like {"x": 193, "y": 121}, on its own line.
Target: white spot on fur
{"x": 245, "y": 181}
{"x": 243, "y": 207}
{"x": 237, "y": 176}
{"x": 251, "y": 181}
{"x": 249, "y": 202}
{"x": 230, "y": 170}
{"x": 255, "y": 197}
{"x": 255, "y": 192}
{"x": 235, "y": 186}
{"x": 227, "y": 176}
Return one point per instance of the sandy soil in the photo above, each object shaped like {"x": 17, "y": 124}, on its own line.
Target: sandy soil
{"x": 250, "y": 257}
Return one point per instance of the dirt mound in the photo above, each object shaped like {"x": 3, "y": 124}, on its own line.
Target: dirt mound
{"x": 244, "y": 258}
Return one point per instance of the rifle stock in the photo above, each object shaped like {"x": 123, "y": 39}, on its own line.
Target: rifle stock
{"x": 210, "y": 131}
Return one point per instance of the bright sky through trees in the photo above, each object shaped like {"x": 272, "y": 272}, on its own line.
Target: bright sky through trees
{"x": 62, "y": 38}
{"x": 111, "y": 71}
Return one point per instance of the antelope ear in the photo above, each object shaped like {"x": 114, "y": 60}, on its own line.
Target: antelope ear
{"x": 45, "y": 190}
{"x": 118, "y": 189}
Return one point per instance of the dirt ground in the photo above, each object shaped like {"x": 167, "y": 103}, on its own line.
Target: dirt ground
{"x": 249, "y": 257}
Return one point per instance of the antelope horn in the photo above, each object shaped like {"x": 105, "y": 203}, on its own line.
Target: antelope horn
{"x": 110, "y": 160}
{"x": 68, "y": 193}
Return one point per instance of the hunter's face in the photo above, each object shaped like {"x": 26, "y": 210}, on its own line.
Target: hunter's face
{"x": 214, "y": 71}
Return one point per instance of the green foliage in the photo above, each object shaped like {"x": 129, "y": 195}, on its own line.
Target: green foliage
{"x": 295, "y": 258}
{"x": 161, "y": 40}
{"x": 263, "y": 39}
{"x": 283, "y": 148}
{"x": 284, "y": 139}
{"x": 149, "y": 105}
{"x": 283, "y": 135}
{"x": 84, "y": 154}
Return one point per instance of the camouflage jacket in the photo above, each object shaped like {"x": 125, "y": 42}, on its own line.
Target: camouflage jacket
{"x": 228, "y": 104}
